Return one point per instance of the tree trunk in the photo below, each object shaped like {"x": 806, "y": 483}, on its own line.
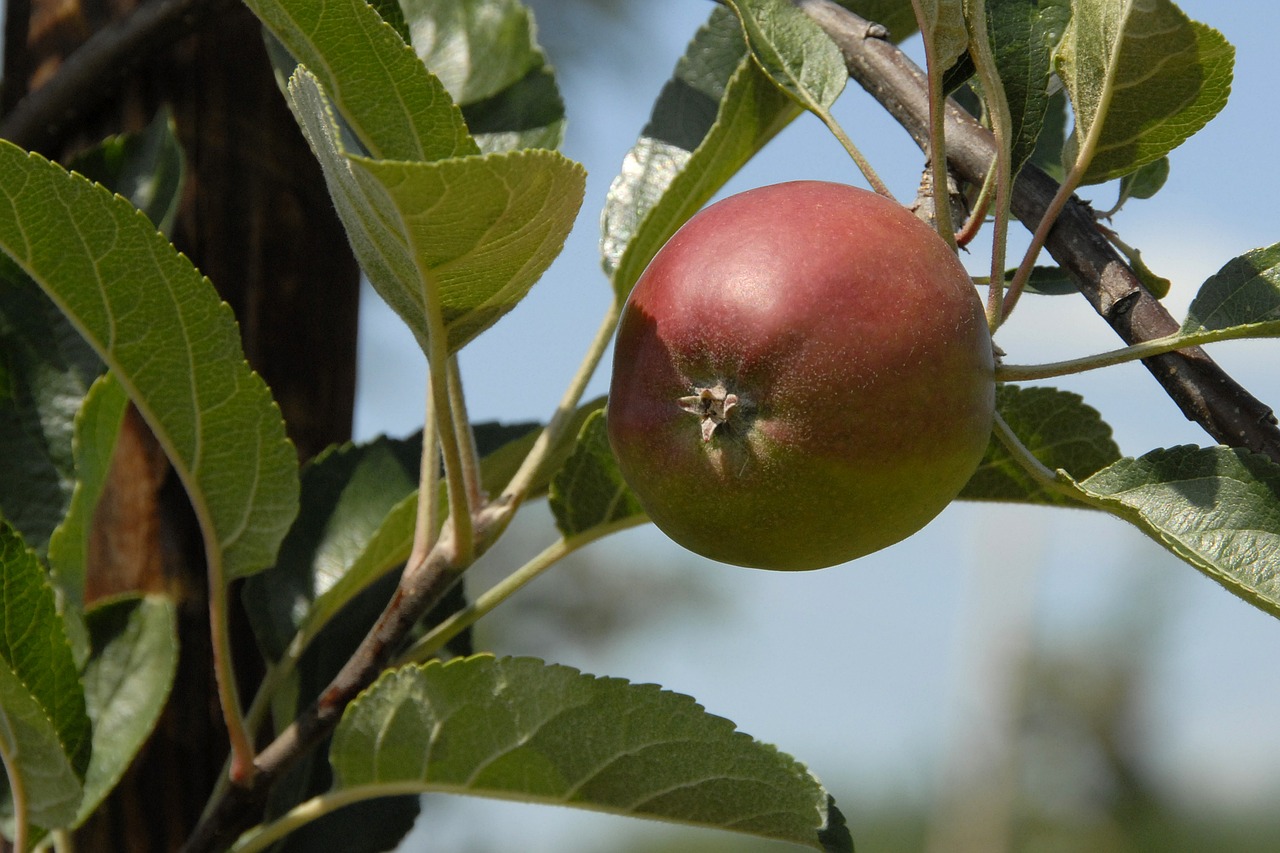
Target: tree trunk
{"x": 255, "y": 218}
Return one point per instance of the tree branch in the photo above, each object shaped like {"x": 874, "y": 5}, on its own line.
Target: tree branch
{"x": 1200, "y": 388}
{"x": 38, "y": 120}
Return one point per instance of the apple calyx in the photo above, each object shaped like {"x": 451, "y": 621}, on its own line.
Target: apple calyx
{"x": 714, "y": 405}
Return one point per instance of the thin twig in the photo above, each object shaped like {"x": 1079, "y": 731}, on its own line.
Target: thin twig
{"x": 1201, "y": 389}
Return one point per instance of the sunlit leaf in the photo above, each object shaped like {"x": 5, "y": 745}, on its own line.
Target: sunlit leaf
{"x": 1217, "y": 508}
{"x": 173, "y": 344}
{"x": 451, "y": 244}
{"x": 519, "y": 728}
{"x": 1142, "y": 79}
{"x": 1245, "y": 292}
{"x": 714, "y": 114}
{"x": 794, "y": 51}
{"x": 1059, "y": 429}
{"x": 396, "y": 108}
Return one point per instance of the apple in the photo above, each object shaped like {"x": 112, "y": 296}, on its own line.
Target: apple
{"x": 802, "y": 375}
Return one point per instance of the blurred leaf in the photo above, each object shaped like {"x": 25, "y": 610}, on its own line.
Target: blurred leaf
{"x": 1058, "y": 428}
{"x": 589, "y": 490}
{"x": 1245, "y": 292}
{"x": 46, "y": 368}
{"x": 126, "y": 683}
{"x": 97, "y": 426}
{"x": 943, "y": 27}
{"x": 453, "y": 244}
{"x": 147, "y": 167}
{"x": 395, "y": 107}
{"x": 44, "y": 729}
{"x": 1024, "y": 34}
{"x": 1047, "y": 281}
{"x": 714, "y": 114}
{"x": 518, "y": 728}
{"x": 170, "y": 340}
{"x": 794, "y": 51}
{"x": 1142, "y": 78}
{"x": 485, "y": 54}
{"x": 1217, "y": 508}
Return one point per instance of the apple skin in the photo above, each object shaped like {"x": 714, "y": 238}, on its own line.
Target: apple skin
{"x": 802, "y": 375}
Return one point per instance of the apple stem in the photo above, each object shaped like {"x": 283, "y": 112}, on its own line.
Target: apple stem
{"x": 715, "y": 405}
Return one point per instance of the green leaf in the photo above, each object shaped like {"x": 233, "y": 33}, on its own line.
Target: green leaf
{"x": 46, "y": 368}
{"x": 1058, "y": 428}
{"x": 589, "y": 490}
{"x": 396, "y": 108}
{"x": 1217, "y": 508}
{"x": 1144, "y": 183}
{"x": 1047, "y": 281}
{"x": 1142, "y": 78}
{"x": 1158, "y": 285}
{"x": 517, "y": 728}
{"x": 1244, "y": 293}
{"x": 360, "y": 507}
{"x": 97, "y": 427}
{"x": 172, "y": 343}
{"x": 1047, "y": 154}
{"x": 714, "y": 114}
{"x": 485, "y": 54}
{"x": 794, "y": 51}
{"x": 44, "y": 729}
{"x": 347, "y": 493}
{"x": 942, "y": 25}
{"x": 453, "y": 244}
{"x": 126, "y": 683}
{"x": 897, "y": 16}
{"x": 148, "y": 168}
{"x": 1023, "y": 36}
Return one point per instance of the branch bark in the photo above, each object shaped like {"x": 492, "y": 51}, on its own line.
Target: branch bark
{"x": 1200, "y": 388}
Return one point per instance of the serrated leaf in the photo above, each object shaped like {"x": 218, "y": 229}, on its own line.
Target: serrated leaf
{"x": 485, "y": 54}
{"x": 1058, "y": 428}
{"x": 714, "y": 114}
{"x": 794, "y": 51}
{"x": 396, "y": 108}
{"x": 147, "y": 167}
{"x": 942, "y": 25}
{"x": 44, "y": 729}
{"x": 97, "y": 426}
{"x": 589, "y": 490}
{"x": 46, "y": 368}
{"x": 1024, "y": 34}
{"x": 1217, "y": 508}
{"x": 126, "y": 683}
{"x": 452, "y": 244}
{"x": 518, "y": 728}
{"x": 160, "y": 327}
{"x": 1142, "y": 79}
{"x": 1245, "y": 292}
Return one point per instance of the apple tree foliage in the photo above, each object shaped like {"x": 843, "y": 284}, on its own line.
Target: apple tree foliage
{"x": 436, "y": 125}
